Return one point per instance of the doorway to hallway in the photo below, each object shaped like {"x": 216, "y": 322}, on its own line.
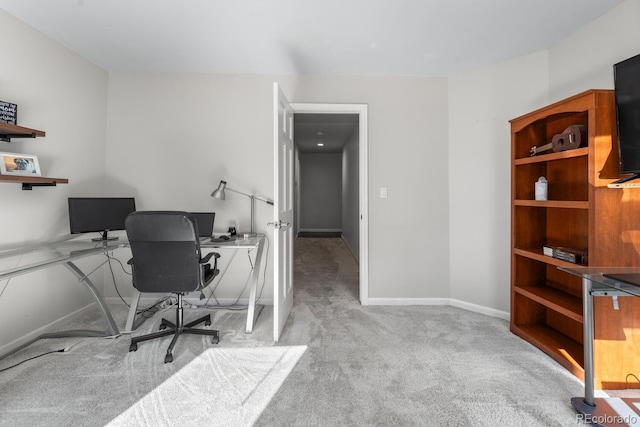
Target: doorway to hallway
{"x": 331, "y": 178}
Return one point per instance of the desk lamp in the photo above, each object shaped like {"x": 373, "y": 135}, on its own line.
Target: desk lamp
{"x": 219, "y": 194}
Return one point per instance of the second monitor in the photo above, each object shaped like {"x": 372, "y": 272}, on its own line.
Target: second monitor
{"x": 205, "y": 223}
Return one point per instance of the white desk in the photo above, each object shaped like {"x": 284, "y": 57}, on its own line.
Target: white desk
{"x": 37, "y": 257}
{"x": 233, "y": 246}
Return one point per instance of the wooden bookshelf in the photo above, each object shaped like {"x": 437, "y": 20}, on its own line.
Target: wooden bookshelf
{"x": 583, "y": 213}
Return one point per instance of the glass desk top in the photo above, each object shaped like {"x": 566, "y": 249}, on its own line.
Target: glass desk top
{"x": 14, "y": 262}
{"x": 599, "y": 276}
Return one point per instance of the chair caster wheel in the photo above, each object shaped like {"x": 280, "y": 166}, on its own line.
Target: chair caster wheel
{"x": 133, "y": 346}
{"x": 162, "y": 326}
{"x": 168, "y": 358}
{"x": 207, "y": 323}
{"x": 215, "y": 340}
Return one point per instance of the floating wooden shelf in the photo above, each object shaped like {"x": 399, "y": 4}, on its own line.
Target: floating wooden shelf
{"x": 8, "y": 131}
{"x": 28, "y": 182}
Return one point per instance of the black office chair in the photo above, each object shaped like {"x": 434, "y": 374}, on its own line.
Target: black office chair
{"x": 166, "y": 259}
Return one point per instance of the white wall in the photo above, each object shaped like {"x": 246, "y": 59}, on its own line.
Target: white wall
{"x": 172, "y": 137}
{"x": 585, "y": 59}
{"x": 320, "y": 192}
{"x": 191, "y": 130}
{"x": 481, "y": 103}
{"x": 65, "y": 96}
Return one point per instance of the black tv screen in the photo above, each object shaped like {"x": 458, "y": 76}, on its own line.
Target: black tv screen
{"x": 99, "y": 214}
{"x": 627, "y": 95}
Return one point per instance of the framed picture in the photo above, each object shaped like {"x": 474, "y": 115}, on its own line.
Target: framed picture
{"x": 19, "y": 164}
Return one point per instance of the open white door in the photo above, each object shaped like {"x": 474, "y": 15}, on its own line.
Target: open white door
{"x": 283, "y": 211}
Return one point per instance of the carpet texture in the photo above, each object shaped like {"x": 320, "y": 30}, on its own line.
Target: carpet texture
{"x": 97, "y": 380}
{"x": 364, "y": 365}
{"x": 406, "y": 366}
{"x": 221, "y": 387}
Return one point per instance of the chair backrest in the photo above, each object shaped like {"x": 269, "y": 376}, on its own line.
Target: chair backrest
{"x": 166, "y": 251}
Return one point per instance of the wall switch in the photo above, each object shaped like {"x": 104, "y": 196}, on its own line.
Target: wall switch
{"x": 383, "y": 192}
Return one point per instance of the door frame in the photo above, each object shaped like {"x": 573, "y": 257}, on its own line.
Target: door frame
{"x": 363, "y": 183}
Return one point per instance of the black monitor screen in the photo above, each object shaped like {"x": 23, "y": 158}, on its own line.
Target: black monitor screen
{"x": 627, "y": 93}
{"x": 205, "y": 222}
{"x": 99, "y": 214}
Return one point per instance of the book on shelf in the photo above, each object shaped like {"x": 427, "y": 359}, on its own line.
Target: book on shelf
{"x": 574, "y": 256}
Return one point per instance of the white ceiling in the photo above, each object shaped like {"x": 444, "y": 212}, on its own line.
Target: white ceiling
{"x": 347, "y": 37}
{"x": 338, "y": 37}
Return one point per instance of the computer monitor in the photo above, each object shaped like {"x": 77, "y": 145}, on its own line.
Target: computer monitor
{"x": 99, "y": 214}
{"x": 205, "y": 223}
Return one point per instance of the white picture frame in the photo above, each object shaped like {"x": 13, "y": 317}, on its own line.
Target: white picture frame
{"x": 19, "y": 164}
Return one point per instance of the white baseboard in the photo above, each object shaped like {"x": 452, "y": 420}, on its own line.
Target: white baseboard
{"x": 17, "y": 343}
{"x": 350, "y": 250}
{"x": 440, "y": 301}
{"x": 408, "y": 301}
{"x": 504, "y": 315}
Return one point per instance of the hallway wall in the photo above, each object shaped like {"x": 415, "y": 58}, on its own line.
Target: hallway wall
{"x": 320, "y": 192}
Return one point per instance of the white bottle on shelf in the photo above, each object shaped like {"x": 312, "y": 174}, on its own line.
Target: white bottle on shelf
{"x": 541, "y": 188}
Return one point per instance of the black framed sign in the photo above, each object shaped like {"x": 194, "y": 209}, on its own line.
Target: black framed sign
{"x": 8, "y": 113}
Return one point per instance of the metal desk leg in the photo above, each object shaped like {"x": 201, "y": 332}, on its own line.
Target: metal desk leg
{"x": 587, "y": 404}
{"x": 587, "y": 313}
{"x": 112, "y": 328}
{"x": 252, "y": 315}
{"x": 130, "y": 326}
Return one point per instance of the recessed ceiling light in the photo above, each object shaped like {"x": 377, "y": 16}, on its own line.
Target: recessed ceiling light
{"x": 320, "y": 144}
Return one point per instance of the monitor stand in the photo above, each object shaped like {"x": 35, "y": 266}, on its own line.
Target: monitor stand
{"x": 104, "y": 237}
{"x": 627, "y": 178}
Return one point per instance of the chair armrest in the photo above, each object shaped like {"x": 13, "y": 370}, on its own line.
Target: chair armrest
{"x": 208, "y": 257}
{"x": 206, "y": 270}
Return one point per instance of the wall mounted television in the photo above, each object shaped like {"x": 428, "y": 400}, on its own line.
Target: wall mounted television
{"x": 99, "y": 214}
{"x": 627, "y": 95}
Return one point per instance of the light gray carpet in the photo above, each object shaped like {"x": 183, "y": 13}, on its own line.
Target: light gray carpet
{"x": 99, "y": 379}
{"x": 406, "y": 366}
{"x": 222, "y": 386}
{"x": 364, "y": 366}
